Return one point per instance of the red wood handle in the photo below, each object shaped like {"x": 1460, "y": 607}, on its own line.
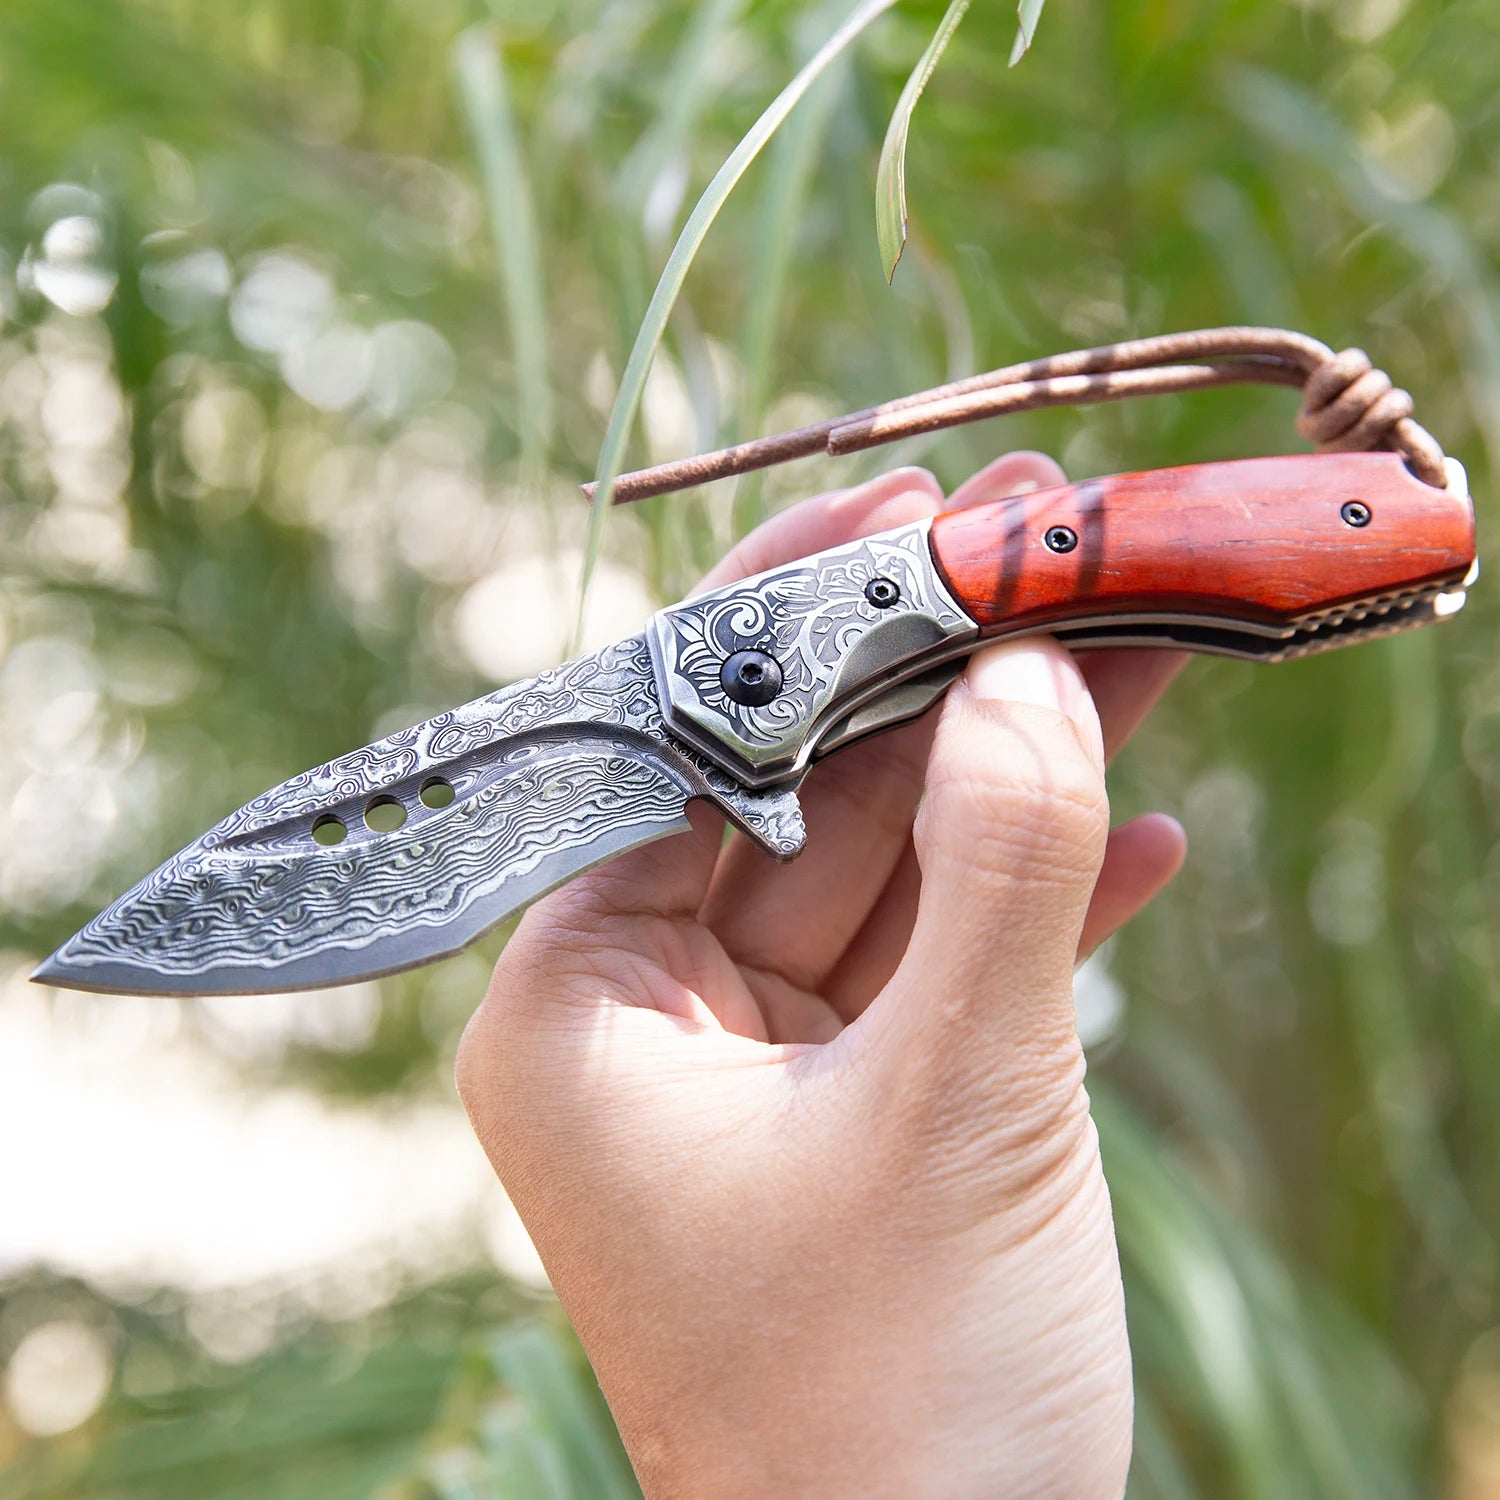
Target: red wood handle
{"x": 1259, "y": 539}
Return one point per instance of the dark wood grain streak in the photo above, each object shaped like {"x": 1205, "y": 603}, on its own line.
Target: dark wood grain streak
{"x": 1258, "y": 539}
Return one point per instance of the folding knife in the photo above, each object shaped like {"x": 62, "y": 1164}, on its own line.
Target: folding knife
{"x": 407, "y": 850}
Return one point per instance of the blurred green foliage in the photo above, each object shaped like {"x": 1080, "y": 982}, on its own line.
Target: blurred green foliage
{"x": 311, "y": 316}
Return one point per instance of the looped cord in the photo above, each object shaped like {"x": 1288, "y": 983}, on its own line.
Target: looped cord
{"x": 1347, "y": 404}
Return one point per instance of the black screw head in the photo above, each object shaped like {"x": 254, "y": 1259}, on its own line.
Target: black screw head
{"x": 882, "y": 592}
{"x": 1355, "y": 513}
{"x": 751, "y": 677}
{"x": 1061, "y": 538}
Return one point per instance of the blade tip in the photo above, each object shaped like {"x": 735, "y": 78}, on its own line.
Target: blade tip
{"x": 51, "y": 971}
{"x": 56, "y": 973}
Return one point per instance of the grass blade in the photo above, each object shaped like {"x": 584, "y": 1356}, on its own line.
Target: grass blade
{"x": 1156, "y": 1472}
{"x": 522, "y": 1463}
{"x": 533, "y": 1362}
{"x": 1028, "y": 13}
{"x": 890, "y": 179}
{"x": 684, "y": 252}
{"x": 1299, "y": 1404}
{"x": 654, "y": 175}
{"x": 482, "y": 91}
{"x": 788, "y": 182}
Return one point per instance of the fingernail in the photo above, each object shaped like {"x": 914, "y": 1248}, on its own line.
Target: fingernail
{"x": 1037, "y": 670}
{"x": 1031, "y": 671}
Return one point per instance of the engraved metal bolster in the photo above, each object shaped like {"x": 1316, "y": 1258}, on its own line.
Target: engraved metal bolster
{"x": 763, "y": 674}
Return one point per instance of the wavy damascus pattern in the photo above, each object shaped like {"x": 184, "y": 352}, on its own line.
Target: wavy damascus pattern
{"x": 549, "y": 776}
{"x": 216, "y": 910}
{"x": 612, "y": 687}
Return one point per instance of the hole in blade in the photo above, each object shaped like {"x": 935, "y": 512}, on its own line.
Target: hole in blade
{"x": 436, "y": 793}
{"x": 328, "y": 831}
{"x": 384, "y": 815}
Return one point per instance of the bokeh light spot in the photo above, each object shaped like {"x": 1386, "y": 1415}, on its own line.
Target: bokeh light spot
{"x": 282, "y": 301}
{"x": 72, "y": 269}
{"x": 182, "y": 283}
{"x": 57, "y": 1378}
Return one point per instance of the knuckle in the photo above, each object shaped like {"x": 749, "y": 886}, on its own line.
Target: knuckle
{"x": 505, "y": 1070}
{"x": 480, "y": 1065}
{"x": 910, "y": 477}
{"x": 537, "y": 974}
{"x": 484, "y": 1090}
{"x": 471, "y": 1063}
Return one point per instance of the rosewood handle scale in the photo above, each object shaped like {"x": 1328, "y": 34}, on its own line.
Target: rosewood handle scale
{"x": 1264, "y": 540}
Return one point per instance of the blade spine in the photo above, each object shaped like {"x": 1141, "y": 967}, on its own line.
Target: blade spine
{"x": 578, "y": 729}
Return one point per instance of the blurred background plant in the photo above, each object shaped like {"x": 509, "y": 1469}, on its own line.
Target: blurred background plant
{"x": 311, "y": 319}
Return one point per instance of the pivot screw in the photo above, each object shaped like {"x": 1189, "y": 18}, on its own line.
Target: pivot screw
{"x": 1061, "y": 538}
{"x": 1355, "y": 513}
{"x": 882, "y": 592}
{"x": 751, "y": 677}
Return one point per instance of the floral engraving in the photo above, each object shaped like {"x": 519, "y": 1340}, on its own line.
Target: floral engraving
{"x": 808, "y": 615}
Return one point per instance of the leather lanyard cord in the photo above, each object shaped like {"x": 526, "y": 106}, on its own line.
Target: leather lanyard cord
{"x": 1347, "y": 404}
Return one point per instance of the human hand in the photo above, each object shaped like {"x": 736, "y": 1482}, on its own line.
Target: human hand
{"x": 806, "y": 1150}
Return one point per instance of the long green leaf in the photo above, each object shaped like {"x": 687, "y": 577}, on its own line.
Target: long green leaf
{"x": 652, "y": 178}
{"x": 1028, "y": 13}
{"x": 524, "y": 1463}
{"x": 684, "y": 252}
{"x": 507, "y": 191}
{"x": 534, "y": 1364}
{"x": 1256, "y": 1363}
{"x": 890, "y": 179}
{"x": 779, "y": 213}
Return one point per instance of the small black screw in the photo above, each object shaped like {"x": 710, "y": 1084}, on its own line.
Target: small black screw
{"x": 882, "y": 592}
{"x": 751, "y": 677}
{"x": 1355, "y": 512}
{"x": 1061, "y": 538}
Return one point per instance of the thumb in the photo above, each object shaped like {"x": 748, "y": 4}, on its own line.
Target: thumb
{"x": 1010, "y": 838}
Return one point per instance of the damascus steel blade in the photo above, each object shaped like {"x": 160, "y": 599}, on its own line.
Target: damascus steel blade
{"x": 547, "y": 778}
